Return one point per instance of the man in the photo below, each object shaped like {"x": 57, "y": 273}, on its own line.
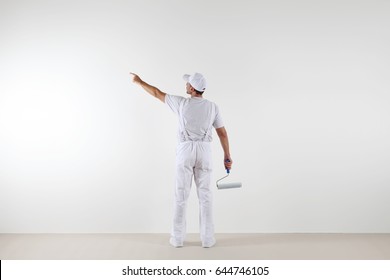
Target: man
{"x": 196, "y": 116}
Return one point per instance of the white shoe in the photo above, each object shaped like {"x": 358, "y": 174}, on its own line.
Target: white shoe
{"x": 174, "y": 243}
{"x": 208, "y": 244}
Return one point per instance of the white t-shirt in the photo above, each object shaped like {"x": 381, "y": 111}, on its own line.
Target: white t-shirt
{"x": 196, "y": 116}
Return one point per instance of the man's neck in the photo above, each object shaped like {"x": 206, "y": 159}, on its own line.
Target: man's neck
{"x": 196, "y": 95}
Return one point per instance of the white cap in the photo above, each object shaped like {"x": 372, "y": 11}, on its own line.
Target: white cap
{"x": 197, "y": 81}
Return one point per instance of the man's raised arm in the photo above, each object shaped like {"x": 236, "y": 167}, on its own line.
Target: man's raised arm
{"x": 149, "y": 88}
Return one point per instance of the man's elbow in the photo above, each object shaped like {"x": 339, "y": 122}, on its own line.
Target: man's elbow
{"x": 221, "y": 132}
{"x": 159, "y": 95}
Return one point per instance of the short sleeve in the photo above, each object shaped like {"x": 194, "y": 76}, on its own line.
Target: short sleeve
{"x": 173, "y": 102}
{"x": 218, "y": 122}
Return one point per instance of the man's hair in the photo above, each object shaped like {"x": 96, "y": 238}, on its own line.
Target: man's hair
{"x": 199, "y": 92}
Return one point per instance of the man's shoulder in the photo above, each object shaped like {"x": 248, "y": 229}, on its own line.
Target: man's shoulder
{"x": 175, "y": 97}
{"x": 212, "y": 102}
{"x": 174, "y": 101}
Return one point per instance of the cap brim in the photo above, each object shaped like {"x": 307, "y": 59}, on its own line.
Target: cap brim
{"x": 186, "y": 77}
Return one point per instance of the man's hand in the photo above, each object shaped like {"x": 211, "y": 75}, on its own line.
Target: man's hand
{"x": 136, "y": 79}
{"x": 148, "y": 88}
{"x": 228, "y": 162}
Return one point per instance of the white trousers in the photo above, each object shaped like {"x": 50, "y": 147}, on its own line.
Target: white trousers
{"x": 193, "y": 160}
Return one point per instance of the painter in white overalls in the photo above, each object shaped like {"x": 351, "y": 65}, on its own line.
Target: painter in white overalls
{"x": 197, "y": 117}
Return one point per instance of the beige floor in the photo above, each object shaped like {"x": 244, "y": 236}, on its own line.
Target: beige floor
{"x": 229, "y": 246}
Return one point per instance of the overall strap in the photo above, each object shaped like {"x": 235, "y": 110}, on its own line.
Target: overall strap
{"x": 183, "y": 130}
{"x": 212, "y": 119}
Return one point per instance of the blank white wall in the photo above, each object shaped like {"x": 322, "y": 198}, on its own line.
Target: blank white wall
{"x": 303, "y": 87}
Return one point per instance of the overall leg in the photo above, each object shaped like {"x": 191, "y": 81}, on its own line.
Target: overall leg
{"x": 184, "y": 174}
{"x": 202, "y": 176}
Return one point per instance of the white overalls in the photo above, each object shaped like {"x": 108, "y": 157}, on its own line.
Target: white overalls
{"x": 193, "y": 160}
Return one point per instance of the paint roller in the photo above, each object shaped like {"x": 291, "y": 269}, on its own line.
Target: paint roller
{"x": 222, "y": 186}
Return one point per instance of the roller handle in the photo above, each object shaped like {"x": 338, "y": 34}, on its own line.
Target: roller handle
{"x": 227, "y": 169}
